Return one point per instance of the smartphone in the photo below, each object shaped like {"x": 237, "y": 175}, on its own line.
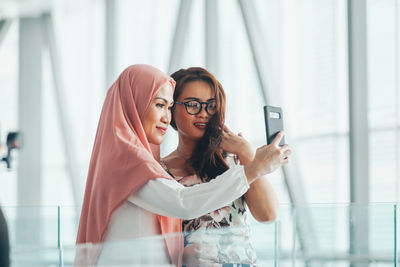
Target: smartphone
{"x": 273, "y": 123}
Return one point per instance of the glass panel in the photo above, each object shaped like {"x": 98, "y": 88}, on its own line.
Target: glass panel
{"x": 36, "y": 257}
{"x": 32, "y": 231}
{"x": 381, "y": 234}
{"x": 264, "y": 239}
{"x": 213, "y": 244}
{"x": 141, "y": 251}
{"x": 337, "y": 235}
{"x": 396, "y": 234}
{"x": 286, "y": 235}
{"x": 69, "y": 222}
{"x": 303, "y": 235}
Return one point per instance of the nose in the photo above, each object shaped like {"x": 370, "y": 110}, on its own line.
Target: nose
{"x": 203, "y": 113}
{"x": 166, "y": 117}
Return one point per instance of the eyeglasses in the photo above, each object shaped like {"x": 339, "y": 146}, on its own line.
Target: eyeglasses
{"x": 194, "y": 107}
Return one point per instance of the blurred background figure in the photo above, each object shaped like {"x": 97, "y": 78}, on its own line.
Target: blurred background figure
{"x": 13, "y": 142}
{"x": 4, "y": 242}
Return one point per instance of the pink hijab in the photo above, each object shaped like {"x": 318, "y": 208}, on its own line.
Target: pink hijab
{"x": 122, "y": 158}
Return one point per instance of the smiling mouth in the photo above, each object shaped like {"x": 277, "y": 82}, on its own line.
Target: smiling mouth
{"x": 200, "y": 125}
{"x": 163, "y": 130}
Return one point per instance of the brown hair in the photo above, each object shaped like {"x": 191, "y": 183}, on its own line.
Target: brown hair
{"x": 207, "y": 158}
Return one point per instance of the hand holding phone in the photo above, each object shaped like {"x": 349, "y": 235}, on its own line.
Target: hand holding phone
{"x": 273, "y": 123}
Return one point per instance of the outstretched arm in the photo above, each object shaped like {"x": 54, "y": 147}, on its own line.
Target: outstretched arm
{"x": 170, "y": 198}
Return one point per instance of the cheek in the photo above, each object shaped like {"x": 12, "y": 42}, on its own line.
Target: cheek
{"x": 156, "y": 115}
{"x": 147, "y": 128}
{"x": 182, "y": 119}
{"x": 169, "y": 116}
{"x": 149, "y": 120}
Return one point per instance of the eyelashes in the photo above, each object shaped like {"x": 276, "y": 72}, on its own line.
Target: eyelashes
{"x": 162, "y": 105}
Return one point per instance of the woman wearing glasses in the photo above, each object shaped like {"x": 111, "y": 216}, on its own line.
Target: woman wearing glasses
{"x": 128, "y": 194}
{"x": 202, "y": 155}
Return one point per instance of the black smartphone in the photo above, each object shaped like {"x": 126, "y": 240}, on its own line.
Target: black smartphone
{"x": 273, "y": 123}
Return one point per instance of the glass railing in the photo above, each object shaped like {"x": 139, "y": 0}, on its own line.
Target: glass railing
{"x": 303, "y": 235}
{"x": 33, "y": 234}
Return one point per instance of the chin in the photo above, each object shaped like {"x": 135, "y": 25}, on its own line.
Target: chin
{"x": 156, "y": 141}
{"x": 198, "y": 135}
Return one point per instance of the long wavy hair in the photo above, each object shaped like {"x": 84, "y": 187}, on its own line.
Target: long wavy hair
{"x": 207, "y": 158}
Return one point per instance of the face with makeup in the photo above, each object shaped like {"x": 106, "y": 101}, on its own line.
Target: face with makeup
{"x": 188, "y": 125}
{"x": 158, "y": 115}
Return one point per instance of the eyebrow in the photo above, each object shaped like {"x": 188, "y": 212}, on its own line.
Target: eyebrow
{"x": 194, "y": 98}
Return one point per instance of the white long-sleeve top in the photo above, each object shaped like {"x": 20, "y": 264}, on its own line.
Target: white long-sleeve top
{"x": 137, "y": 216}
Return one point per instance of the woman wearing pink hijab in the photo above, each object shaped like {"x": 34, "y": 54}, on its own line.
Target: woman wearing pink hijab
{"x": 128, "y": 194}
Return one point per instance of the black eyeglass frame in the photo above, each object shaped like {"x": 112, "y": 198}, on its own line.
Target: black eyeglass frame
{"x": 201, "y": 106}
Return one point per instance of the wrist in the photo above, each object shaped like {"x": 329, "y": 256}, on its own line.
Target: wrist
{"x": 246, "y": 155}
{"x": 250, "y": 173}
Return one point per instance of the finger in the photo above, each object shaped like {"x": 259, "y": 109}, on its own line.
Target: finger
{"x": 263, "y": 147}
{"x": 284, "y": 147}
{"x": 240, "y": 134}
{"x": 287, "y": 152}
{"x": 285, "y": 160}
{"x": 224, "y": 134}
{"x": 227, "y": 130}
{"x": 278, "y": 138}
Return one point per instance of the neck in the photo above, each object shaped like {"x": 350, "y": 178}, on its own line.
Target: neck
{"x": 185, "y": 147}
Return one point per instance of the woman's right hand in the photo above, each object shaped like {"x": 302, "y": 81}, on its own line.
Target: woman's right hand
{"x": 268, "y": 158}
{"x": 237, "y": 145}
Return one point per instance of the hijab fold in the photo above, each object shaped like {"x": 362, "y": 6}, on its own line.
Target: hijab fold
{"x": 122, "y": 158}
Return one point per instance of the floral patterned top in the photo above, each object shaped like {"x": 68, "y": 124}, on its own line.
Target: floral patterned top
{"x": 223, "y": 234}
